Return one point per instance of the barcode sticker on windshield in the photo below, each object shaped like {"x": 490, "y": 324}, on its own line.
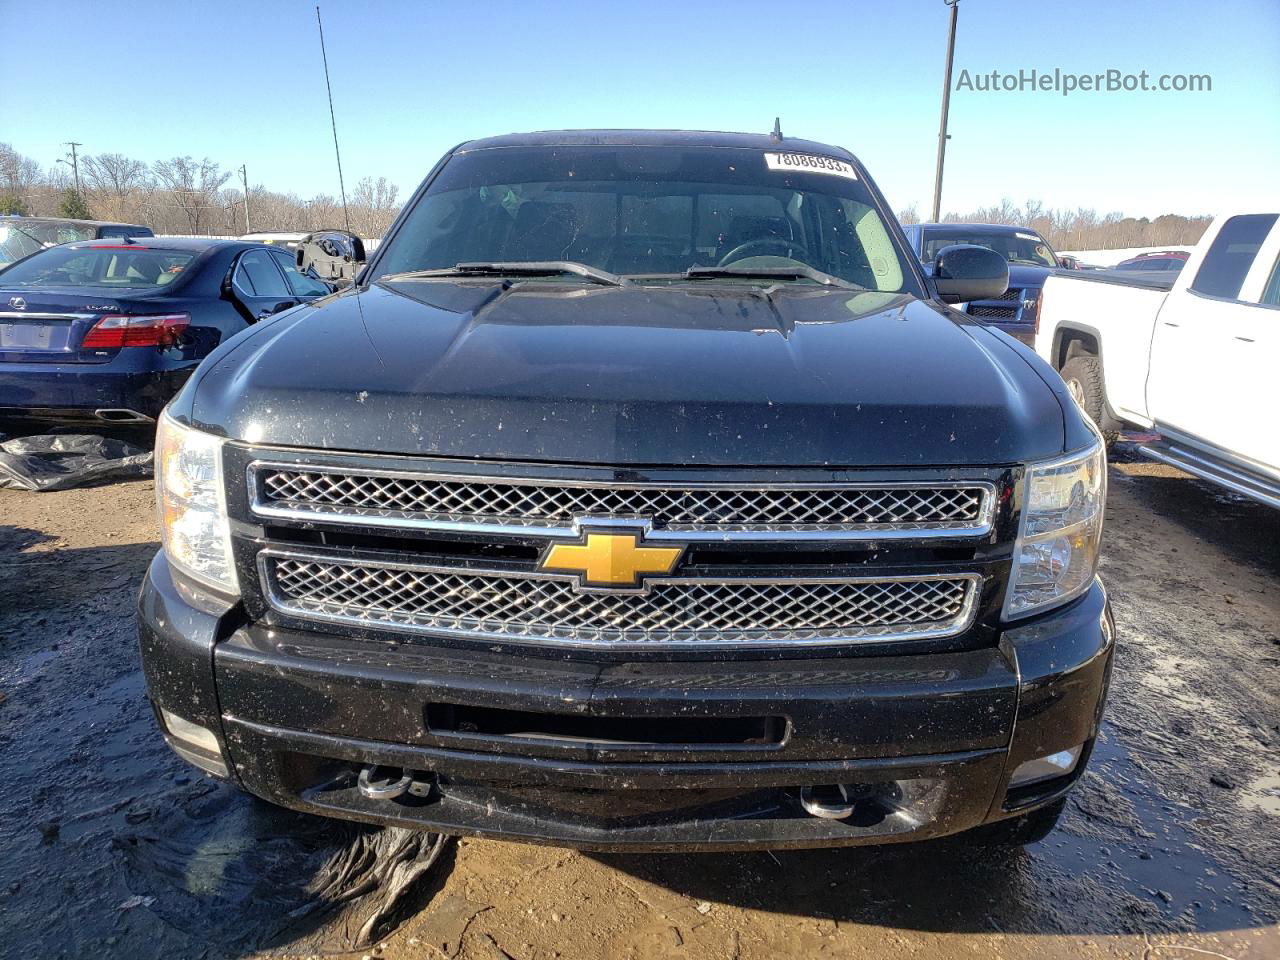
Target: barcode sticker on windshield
{"x": 808, "y": 163}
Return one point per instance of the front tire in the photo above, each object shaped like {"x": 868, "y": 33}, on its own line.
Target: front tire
{"x": 1083, "y": 377}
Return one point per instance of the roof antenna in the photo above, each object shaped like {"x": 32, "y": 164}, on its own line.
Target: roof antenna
{"x": 776, "y": 136}
{"x": 346, "y": 216}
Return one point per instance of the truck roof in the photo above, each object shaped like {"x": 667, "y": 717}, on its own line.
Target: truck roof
{"x": 982, "y": 227}
{"x": 20, "y": 220}
{"x": 655, "y": 138}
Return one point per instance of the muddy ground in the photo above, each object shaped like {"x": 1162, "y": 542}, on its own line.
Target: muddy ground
{"x": 109, "y": 846}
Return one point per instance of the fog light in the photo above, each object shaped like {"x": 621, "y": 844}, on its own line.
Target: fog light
{"x": 1046, "y": 768}
{"x": 195, "y": 744}
{"x": 191, "y": 733}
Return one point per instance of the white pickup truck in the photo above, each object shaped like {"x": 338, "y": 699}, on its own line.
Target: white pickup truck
{"x": 1196, "y": 361}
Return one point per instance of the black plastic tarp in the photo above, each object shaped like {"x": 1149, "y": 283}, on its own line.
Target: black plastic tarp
{"x": 62, "y": 461}
{"x": 244, "y": 876}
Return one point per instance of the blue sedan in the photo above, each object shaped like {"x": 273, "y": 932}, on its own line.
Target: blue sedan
{"x": 108, "y": 330}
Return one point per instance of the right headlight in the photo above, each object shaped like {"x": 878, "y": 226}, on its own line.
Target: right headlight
{"x": 192, "y": 501}
{"x": 1056, "y": 554}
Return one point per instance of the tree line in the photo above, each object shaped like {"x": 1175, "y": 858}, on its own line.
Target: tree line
{"x": 181, "y": 195}
{"x": 186, "y": 195}
{"x": 1083, "y": 228}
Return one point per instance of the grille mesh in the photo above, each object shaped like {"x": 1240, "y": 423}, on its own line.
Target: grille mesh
{"x": 1012, "y": 296}
{"x": 732, "y": 612}
{"x": 988, "y": 313}
{"x": 679, "y": 509}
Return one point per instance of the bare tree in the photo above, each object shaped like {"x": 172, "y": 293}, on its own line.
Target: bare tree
{"x": 19, "y": 176}
{"x": 193, "y": 186}
{"x": 113, "y": 173}
{"x": 117, "y": 184}
{"x": 374, "y": 203}
{"x": 909, "y": 215}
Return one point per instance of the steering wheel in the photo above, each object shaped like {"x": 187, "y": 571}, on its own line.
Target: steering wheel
{"x": 775, "y": 243}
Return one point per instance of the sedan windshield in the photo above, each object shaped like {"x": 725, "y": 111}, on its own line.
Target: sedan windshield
{"x": 115, "y": 266}
{"x": 1016, "y": 246}
{"x": 652, "y": 212}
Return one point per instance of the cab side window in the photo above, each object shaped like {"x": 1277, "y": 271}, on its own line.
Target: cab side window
{"x": 1271, "y": 292}
{"x": 256, "y": 276}
{"x": 1231, "y": 255}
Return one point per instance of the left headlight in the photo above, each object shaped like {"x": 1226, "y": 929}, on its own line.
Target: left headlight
{"x": 192, "y": 501}
{"x": 1059, "y": 532}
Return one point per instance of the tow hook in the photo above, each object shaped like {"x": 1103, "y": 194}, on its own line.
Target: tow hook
{"x": 838, "y": 801}
{"x": 390, "y": 783}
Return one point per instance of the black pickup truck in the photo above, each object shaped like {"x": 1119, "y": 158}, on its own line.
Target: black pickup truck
{"x": 642, "y": 493}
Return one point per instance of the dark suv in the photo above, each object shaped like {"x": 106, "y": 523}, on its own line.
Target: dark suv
{"x": 642, "y": 492}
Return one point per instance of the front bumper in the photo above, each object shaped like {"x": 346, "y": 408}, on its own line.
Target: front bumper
{"x": 931, "y": 737}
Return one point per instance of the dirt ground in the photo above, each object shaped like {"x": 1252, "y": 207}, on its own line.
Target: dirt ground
{"x": 1169, "y": 849}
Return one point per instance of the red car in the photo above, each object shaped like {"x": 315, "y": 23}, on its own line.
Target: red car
{"x": 1173, "y": 260}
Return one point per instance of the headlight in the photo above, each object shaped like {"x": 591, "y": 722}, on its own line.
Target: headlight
{"x": 193, "y": 509}
{"x": 1057, "y": 550}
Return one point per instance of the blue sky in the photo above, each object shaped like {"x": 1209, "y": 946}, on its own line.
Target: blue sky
{"x": 241, "y": 82}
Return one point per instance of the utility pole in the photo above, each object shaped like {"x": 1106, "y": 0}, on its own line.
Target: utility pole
{"x": 244, "y": 178}
{"x": 946, "y": 106}
{"x": 75, "y": 163}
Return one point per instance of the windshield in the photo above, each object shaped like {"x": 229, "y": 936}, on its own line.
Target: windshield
{"x": 16, "y": 243}
{"x": 1016, "y": 246}
{"x": 98, "y": 267}
{"x": 639, "y": 211}
{"x": 52, "y": 231}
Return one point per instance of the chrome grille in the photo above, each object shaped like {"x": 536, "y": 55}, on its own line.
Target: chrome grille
{"x": 550, "y": 507}
{"x": 721, "y": 612}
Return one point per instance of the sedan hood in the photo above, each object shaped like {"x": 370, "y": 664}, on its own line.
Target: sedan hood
{"x": 705, "y": 373}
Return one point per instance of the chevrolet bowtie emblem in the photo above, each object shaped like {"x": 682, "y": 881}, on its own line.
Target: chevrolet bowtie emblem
{"x": 610, "y": 560}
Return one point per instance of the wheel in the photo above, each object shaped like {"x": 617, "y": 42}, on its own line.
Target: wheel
{"x": 1083, "y": 376}
{"x": 1019, "y": 831}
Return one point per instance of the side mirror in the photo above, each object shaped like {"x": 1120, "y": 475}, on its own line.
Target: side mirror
{"x": 333, "y": 256}
{"x": 965, "y": 271}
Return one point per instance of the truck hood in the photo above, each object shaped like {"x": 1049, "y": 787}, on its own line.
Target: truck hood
{"x": 692, "y": 374}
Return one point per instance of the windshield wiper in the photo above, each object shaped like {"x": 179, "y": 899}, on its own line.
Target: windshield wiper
{"x": 517, "y": 268}
{"x": 772, "y": 273}
{"x": 30, "y": 236}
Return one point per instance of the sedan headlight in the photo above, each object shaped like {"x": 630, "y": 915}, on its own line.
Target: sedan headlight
{"x": 1056, "y": 554}
{"x": 193, "y": 509}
